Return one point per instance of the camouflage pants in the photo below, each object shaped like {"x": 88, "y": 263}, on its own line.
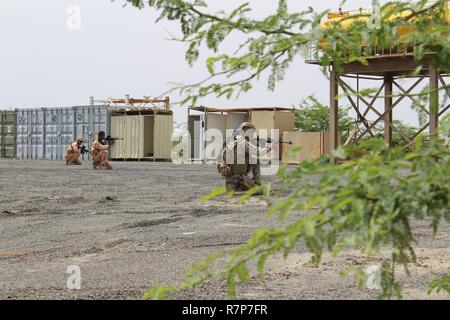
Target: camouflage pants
{"x": 239, "y": 182}
{"x": 256, "y": 172}
{"x": 99, "y": 159}
{"x": 72, "y": 158}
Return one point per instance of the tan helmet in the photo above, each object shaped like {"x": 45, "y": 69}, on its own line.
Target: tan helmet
{"x": 246, "y": 126}
{"x": 80, "y": 139}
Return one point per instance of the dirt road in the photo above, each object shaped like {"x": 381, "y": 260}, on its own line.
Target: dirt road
{"x": 143, "y": 224}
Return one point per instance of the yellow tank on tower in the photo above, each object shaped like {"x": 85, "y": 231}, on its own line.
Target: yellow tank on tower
{"x": 345, "y": 19}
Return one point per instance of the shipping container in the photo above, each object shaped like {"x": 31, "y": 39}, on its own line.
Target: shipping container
{"x": 30, "y": 140}
{"x": 59, "y": 125}
{"x": 205, "y": 124}
{"x": 7, "y": 134}
{"x": 45, "y": 133}
{"x": 146, "y": 134}
{"x": 89, "y": 120}
{"x": 196, "y": 129}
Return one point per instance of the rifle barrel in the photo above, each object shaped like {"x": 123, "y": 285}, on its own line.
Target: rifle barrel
{"x": 278, "y": 141}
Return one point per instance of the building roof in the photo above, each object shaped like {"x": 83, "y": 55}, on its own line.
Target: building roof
{"x": 141, "y": 111}
{"x": 238, "y": 109}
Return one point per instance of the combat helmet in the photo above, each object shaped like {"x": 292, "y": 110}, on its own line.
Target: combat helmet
{"x": 246, "y": 126}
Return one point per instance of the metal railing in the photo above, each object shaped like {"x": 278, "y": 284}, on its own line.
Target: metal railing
{"x": 313, "y": 50}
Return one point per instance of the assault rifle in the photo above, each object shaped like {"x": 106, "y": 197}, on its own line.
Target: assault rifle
{"x": 269, "y": 140}
{"x": 111, "y": 139}
{"x": 83, "y": 150}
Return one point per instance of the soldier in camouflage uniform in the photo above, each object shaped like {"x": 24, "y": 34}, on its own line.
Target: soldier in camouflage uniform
{"x": 241, "y": 157}
{"x": 73, "y": 153}
{"x": 99, "y": 152}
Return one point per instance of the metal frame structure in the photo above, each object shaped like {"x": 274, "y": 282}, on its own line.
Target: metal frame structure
{"x": 388, "y": 69}
{"x": 145, "y": 103}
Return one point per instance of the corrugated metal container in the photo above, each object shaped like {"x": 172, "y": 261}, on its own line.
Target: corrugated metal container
{"x": 59, "y": 124}
{"x": 30, "y": 140}
{"x": 45, "y": 133}
{"x": 7, "y": 134}
{"x": 131, "y": 130}
{"x": 145, "y": 136}
{"x": 89, "y": 120}
{"x": 162, "y": 143}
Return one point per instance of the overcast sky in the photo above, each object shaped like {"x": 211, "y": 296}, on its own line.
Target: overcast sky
{"x": 120, "y": 51}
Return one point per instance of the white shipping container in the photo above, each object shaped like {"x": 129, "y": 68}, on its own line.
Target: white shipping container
{"x": 196, "y": 127}
{"x": 204, "y": 128}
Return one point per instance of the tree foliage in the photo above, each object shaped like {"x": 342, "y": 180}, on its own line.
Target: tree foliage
{"x": 397, "y": 139}
{"x": 313, "y": 116}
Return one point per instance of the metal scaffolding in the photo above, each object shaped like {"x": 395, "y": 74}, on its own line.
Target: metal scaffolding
{"x": 386, "y": 70}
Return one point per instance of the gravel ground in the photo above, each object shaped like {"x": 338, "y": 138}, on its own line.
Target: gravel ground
{"x": 143, "y": 224}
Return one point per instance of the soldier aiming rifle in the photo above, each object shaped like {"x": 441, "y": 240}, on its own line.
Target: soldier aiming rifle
{"x": 240, "y": 157}
{"x": 100, "y": 149}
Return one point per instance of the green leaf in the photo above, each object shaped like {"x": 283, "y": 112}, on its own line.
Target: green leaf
{"x": 215, "y": 193}
{"x": 250, "y": 193}
{"x": 242, "y": 272}
{"x": 262, "y": 259}
{"x": 440, "y": 284}
{"x": 231, "y": 285}
{"x": 158, "y": 293}
{"x": 309, "y": 228}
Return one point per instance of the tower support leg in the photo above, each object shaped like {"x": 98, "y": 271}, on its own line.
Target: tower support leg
{"x": 334, "y": 110}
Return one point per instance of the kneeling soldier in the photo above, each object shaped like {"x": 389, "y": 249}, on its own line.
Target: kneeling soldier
{"x": 73, "y": 152}
{"x": 241, "y": 157}
{"x": 99, "y": 151}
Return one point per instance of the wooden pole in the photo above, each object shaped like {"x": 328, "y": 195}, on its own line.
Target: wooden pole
{"x": 167, "y": 102}
{"x": 205, "y": 134}
{"x": 334, "y": 108}
{"x": 434, "y": 101}
{"x": 190, "y": 144}
{"x": 388, "y": 79}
